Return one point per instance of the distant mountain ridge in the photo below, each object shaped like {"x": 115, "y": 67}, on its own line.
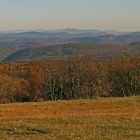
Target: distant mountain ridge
{"x": 13, "y": 44}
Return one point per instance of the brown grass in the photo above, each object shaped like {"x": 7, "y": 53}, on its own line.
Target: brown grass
{"x": 110, "y": 118}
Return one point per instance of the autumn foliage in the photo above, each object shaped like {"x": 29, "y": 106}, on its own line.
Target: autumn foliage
{"x": 74, "y": 78}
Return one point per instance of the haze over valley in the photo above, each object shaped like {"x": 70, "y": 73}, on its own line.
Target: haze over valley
{"x": 99, "y": 44}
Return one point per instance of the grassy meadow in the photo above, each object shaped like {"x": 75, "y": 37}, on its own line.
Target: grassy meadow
{"x": 91, "y": 119}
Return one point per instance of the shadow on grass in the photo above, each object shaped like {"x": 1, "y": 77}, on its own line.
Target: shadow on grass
{"x": 27, "y": 131}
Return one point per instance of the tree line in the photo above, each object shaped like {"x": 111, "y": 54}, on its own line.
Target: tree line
{"x": 75, "y": 78}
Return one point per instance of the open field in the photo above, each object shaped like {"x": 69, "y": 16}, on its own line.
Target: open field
{"x": 97, "y": 119}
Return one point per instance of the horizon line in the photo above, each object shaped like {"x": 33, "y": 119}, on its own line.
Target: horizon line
{"x": 57, "y": 29}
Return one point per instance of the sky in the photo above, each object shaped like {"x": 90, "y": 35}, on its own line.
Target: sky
{"x": 123, "y": 15}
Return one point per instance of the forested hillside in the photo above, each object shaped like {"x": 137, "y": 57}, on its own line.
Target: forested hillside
{"x": 64, "y": 43}
{"x": 63, "y": 51}
{"x": 73, "y": 78}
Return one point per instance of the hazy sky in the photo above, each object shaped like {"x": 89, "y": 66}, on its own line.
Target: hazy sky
{"x": 53, "y": 14}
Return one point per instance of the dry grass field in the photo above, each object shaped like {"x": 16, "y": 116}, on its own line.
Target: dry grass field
{"x": 97, "y": 119}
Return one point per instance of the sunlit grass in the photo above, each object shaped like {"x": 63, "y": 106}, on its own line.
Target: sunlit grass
{"x": 97, "y": 119}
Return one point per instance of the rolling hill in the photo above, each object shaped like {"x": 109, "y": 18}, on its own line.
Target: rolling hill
{"x": 67, "y": 42}
{"x": 96, "y": 51}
